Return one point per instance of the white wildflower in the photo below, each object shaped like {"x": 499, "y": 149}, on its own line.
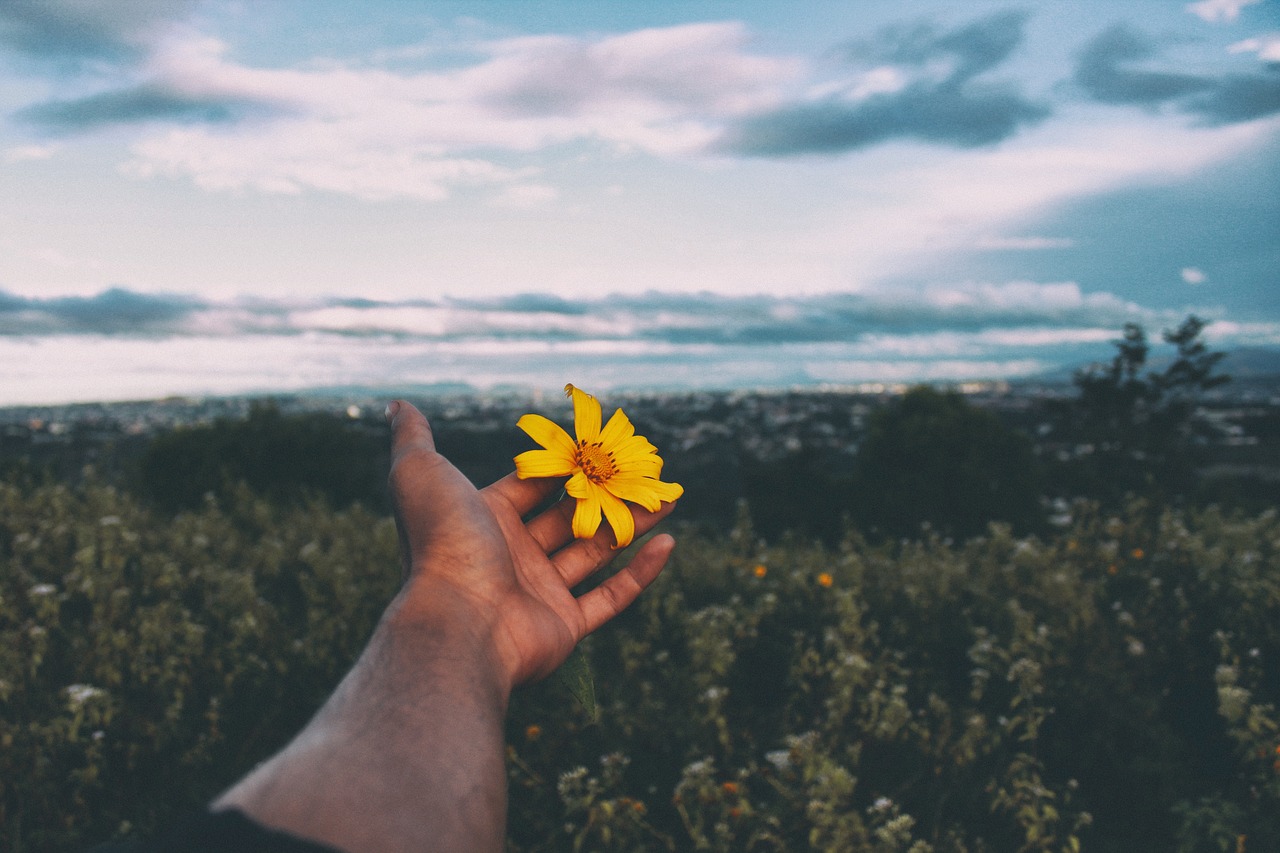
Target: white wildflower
{"x": 779, "y": 758}
{"x": 81, "y": 693}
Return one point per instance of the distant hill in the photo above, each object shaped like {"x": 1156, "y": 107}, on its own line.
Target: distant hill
{"x": 1252, "y": 363}
{"x": 1245, "y": 365}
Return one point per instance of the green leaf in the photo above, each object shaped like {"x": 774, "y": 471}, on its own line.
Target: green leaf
{"x": 575, "y": 674}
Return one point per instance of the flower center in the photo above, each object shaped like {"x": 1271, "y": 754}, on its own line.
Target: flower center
{"x": 596, "y": 462}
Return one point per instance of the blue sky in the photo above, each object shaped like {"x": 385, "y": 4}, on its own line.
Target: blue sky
{"x": 177, "y": 172}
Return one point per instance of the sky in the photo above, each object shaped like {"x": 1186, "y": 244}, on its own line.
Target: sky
{"x": 224, "y": 196}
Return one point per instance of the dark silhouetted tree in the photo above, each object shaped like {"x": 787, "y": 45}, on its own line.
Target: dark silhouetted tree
{"x": 1133, "y": 431}
{"x": 287, "y": 457}
{"x": 933, "y": 457}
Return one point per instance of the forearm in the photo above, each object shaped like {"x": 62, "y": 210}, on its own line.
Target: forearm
{"x": 408, "y": 754}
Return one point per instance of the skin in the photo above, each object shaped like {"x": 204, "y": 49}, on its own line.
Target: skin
{"x": 408, "y": 752}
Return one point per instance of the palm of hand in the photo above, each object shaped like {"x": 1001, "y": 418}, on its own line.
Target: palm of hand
{"x": 510, "y": 576}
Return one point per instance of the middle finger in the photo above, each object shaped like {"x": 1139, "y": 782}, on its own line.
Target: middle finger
{"x": 579, "y": 561}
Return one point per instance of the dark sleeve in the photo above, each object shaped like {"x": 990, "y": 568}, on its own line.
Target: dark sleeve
{"x": 228, "y": 831}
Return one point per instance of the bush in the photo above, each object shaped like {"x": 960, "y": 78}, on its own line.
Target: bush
{"x": 146, "y": 662}
{"x": 1111, "y": 687}
{"x": 932, "y": 457}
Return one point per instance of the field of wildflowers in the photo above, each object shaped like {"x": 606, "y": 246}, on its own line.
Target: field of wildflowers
{"x": 1111, "y": 686}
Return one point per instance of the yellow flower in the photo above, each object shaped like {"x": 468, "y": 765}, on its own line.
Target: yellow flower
{"x": 533, "y": 732}
{"x": 825, "y": 579}
{"x": 605, "y": 466}
{"x": 761, "y": 570}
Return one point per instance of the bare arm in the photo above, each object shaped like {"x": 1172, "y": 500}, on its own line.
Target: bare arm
{"x": 408, "y": 753}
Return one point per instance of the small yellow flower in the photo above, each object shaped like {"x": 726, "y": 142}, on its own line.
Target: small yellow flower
{"x": 605, "y": 466}
{"x": 533, "y": 732}
{"x": 1137, "y": 553}
{"x": 730, "y": 787}
{"x": 761, "y": 570}
{"x": 825, "y": 579}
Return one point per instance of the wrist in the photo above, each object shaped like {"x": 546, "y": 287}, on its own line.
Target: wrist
{"x": 445, "y": 633}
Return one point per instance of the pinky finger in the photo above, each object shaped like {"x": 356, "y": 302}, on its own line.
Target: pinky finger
{"x": 616, "y": 594}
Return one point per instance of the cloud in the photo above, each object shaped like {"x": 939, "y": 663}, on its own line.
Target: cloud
{"x": 1266, "y": 46}
{"x": 24, "y": 153}
{"x": 1219, "y": 10}
{"x": 947, "y": 107}
{"x": 112, "y": 312}
{"x": 1238, "y": 98}
{"x": 667, "y": 318}
{"x": 689, "y": 68}
{"x": 1105, "y": 73}
{"x": 378, "y": 133}
{"x": 148, "y": 102}
{"x": 147, "y": 345}
{"x": 74, "y": 29}
{"x": 1193, "y": 275}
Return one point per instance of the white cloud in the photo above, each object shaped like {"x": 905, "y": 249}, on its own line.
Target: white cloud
{"x": 294, "y": 156}
{"x": 377, "y": 133}
{"x": 1219, "y": 10}
{"x": 1193, "y": 275}
{"x": 1266, "y": 46}
{"x": 1044, "y": 299}
{"x": 882, "y": 80}
{"x": 23, "y": 153}
{"x": 1243, "y": 334}
{"x": 903, "y": 208}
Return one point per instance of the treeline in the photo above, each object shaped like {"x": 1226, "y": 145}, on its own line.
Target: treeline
{"x": 927, "y": 461}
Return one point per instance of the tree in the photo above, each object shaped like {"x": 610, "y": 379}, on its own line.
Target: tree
{"x": 286, "y": 457}
{"x": 933, "y": 457}
{"x": 1135, "y": 432}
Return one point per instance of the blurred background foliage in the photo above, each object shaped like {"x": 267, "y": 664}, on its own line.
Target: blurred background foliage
{"x": 950, "y": 640}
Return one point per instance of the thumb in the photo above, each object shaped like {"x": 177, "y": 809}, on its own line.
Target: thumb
{"x": 409, "y": 430}
{"x": 429, "y": 494}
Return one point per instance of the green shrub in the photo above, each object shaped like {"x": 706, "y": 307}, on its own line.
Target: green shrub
{"x": 146, "y": 662}
{"x": 1112, "y": 687}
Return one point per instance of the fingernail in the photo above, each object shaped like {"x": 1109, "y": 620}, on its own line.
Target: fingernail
{"x": 392, "y": 408}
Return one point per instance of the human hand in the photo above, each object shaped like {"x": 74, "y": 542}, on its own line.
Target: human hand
{"x": 473, "y": 562}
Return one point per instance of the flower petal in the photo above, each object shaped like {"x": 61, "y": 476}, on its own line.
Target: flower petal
{"x": 543, "y": 463}
{"x": 547, "y": 432}
{"x": 645, "y": 491}
{"x": 586, "y": 414}
{"x": 646, "y": 465}
{"x": 586, "y": 515}
{"x": 578, "y": 486}
{"x": 618, "y": 429}
{"x": 636, "y": 445}
{"x": 620, "y": 519}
